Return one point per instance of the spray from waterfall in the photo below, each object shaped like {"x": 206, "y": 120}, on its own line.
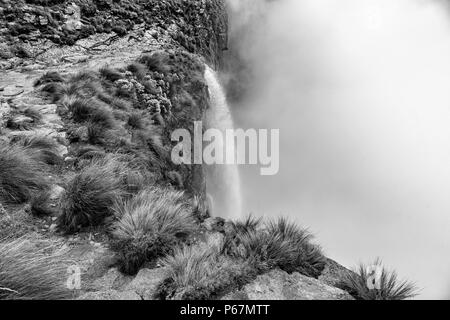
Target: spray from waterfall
{"x": 222, "y": 180}
{"x": 360, "y": 92}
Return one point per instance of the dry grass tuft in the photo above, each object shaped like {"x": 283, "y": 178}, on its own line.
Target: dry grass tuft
{"x": 28, "y": 272}
{"x": 150, "y": 225}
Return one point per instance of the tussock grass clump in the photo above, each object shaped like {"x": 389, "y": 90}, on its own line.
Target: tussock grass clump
{"x": 249, "y": 224}
{"x": 21, "y": 174}
{"x": 55, "y": 90}
{"x": 43, "y": 148}
{"x": 150, "y": 225}
{"x": 138, "y": 69}
{"x": 136, "y": 121}
{"x": 280, "y": 244}
{"x": 92, "y": 110}
{"x": 110, "y": 74}
{"x": 91, "y": 194}
{"x": 49, "y": 77}
{"x": 27, "y": 272}
{"x": 202, "y": 272}
{"x": 386, "y": 287}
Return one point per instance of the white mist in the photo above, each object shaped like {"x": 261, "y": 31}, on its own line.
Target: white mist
{"x": 360, "y": 90}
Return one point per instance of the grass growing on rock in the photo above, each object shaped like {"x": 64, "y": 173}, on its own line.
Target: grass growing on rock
{"x": 28, "y": 272}
{"x": 280, "y": 244}
{"x": 150, "y": 225}
{"x": 43, "y": 148}
{"x": 205, "y": 271}
{"x": 202, "y": 272}
{"x": 386, "y": 287}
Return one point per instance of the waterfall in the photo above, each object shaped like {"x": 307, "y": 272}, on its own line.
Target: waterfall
{"x": 222, "y": 180}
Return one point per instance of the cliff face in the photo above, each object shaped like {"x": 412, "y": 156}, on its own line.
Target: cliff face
{"x": 69, "y": 36}
{"x": 28, "y": 27}
{"x": 111, "y": 80}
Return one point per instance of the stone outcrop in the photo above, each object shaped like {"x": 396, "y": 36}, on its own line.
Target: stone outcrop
{"x": 279, "y": 285}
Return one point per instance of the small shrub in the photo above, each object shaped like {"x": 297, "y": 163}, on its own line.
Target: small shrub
{"x": 150, "y": 225}
{"x": 21, "y": 175}
{"x": 27, "y": 272}
{"x": 390, "y": 288}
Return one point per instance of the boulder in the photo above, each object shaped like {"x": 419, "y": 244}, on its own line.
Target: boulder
{"x": 93, "y": 260}
{"x": 333, "y": 273}
{"x": 279, "y": 285}
{"x": 112, "y": 280}
{"x": 146, "y": 282}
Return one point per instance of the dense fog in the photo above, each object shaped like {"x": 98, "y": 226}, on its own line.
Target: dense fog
{"x": 360, "y": 90}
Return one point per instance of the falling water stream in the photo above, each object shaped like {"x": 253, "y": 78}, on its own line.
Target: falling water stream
{"x": 222, "y": 180}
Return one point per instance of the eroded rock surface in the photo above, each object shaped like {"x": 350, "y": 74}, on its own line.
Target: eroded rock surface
{"x": 279, "y": 285}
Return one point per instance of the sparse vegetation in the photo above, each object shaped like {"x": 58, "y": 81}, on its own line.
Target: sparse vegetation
{"x": 150, "y": 225}
{"x": 27, "y": 272}
{"x": 363, "y": 285}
